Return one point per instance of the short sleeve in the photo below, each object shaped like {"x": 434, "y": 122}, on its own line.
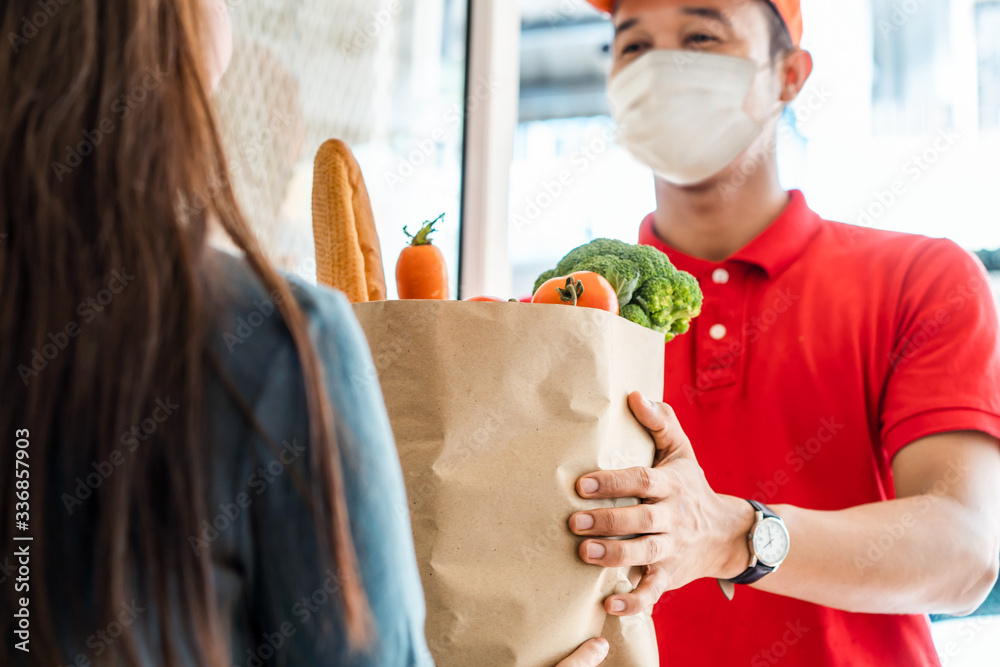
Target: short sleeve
{"x": 289, "y": 580}
{"x": 944, "y": 367}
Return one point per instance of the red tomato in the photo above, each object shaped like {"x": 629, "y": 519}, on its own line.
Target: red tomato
{"x": 583, "y": 288}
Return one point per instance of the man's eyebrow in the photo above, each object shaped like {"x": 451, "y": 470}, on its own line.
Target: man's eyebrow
{"x": 625, "y": 25}
{"x": 709, "y": 13}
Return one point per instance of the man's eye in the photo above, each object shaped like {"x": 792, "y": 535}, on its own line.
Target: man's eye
{"x": 635, "y": 47}
{"x": 700, "y": 38}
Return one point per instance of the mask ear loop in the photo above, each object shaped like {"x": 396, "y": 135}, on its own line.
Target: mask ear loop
{"x": 781, "y": 105}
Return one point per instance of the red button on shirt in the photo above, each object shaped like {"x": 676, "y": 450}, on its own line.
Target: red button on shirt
{"x": 822, "y": 350}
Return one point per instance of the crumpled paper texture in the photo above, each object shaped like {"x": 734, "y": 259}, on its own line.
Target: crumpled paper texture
{"x": 497, "y": 410}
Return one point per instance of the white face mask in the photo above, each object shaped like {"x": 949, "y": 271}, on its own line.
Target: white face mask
{"x": 681, "y": 112}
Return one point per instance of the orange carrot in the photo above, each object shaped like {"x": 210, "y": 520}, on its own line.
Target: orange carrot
{"x": 421, "y": 272}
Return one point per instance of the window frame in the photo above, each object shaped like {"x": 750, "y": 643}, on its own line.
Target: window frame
{"x": 492, "y": 93}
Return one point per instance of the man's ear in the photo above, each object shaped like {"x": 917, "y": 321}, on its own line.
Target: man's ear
{"x": 796, "y": 66}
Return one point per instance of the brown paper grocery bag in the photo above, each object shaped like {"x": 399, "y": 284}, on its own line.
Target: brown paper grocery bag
{"x": 497, "y": 409}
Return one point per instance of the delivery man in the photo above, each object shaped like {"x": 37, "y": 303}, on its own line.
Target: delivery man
{"x": 828, "y": 441}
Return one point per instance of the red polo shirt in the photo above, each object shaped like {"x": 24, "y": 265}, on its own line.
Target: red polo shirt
{"x": 822, "y": 350}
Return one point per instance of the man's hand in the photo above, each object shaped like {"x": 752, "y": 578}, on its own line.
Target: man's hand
{"x": 946, "y": 510}
{"x": 590, "y": 654}
{"x": 686, "y": 530}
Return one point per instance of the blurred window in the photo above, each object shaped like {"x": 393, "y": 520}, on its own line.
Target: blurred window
{"x": 898, "y": 127}
{"x": 988, "y": 50}
{"x": 911, "y": 58}
{"x": 387, "y": 77}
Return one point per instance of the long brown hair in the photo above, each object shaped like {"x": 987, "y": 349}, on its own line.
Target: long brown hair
{"x": 107, "y": 143}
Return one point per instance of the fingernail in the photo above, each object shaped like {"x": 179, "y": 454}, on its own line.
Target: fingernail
{"x": 588, "y": 485}
{"x": 648, "y": 403}
{"x": 602, "y": 645}
{"x": 584, "y": 522}
{"x": 596, "y": 550}
{"x": 617, "y": 605}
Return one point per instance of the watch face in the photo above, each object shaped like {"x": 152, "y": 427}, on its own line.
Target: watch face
{"x": 770, "y": 542}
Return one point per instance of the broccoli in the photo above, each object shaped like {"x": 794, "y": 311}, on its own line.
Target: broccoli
{"x": 651, "y": 291}
{"x": 597, "y": 248}
{"x": 671, "y": 302}
{"x": 634, "y": 313}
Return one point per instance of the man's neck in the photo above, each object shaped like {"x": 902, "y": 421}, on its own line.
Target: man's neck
{"x": 714, "y": 220}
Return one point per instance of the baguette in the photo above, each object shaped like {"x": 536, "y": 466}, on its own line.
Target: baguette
{"x": 348, "y": 255}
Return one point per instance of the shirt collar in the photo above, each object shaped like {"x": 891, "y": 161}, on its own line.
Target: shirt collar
{"x": 773, "y": 250}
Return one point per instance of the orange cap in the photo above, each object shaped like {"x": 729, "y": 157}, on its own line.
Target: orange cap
{"x": 790, "y": 10}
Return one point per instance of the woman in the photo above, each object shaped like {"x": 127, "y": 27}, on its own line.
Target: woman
{"x": 205, "y": 470}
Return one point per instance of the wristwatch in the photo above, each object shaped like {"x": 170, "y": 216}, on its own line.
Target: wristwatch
{"x": 769, "y": 543}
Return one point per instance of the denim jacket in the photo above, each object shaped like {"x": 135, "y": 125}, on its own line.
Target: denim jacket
{"x": 280, "y": 604}
{"x": 277, "y": 606}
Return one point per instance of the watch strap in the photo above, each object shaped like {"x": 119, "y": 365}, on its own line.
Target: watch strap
{"x": 753, "y": 574}
{"x": 757, "y": 571}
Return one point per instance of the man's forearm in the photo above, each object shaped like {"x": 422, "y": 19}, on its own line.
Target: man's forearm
{"x": 934, "y": 549}
{"x": 920, "y": 554}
